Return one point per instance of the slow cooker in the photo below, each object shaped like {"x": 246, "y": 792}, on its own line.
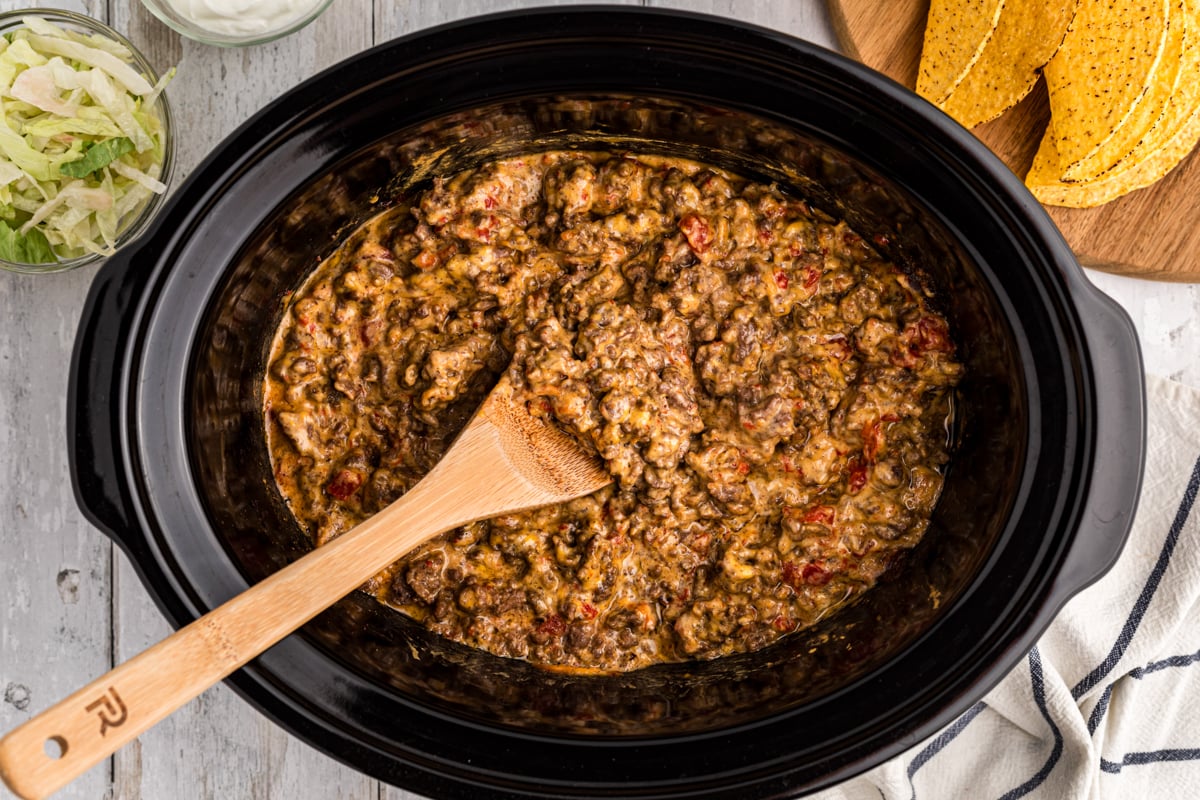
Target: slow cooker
{"x": 169, "y": 457}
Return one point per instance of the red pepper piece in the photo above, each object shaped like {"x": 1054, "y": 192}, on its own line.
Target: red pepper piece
{"x": 933, "y": 334}
{"x": 822, "y": 515}
{"x": 811, "y": 574}
{"x": 553, "y": 627}
{"x": 425, "y": 260}
{"x": 791, "y": 574}
{"x": 344, "y": 484}
{"x": 858, "y": 475}
{"x": 872, "y": 435}
{"x": 697, "y": 231}
{"x": 812, "y": 276}
{"x": 815, "y": 575}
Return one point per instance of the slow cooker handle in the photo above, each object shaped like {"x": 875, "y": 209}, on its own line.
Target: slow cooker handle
{"x": 1120, "y": 400}
{"x": 99, "y": 471}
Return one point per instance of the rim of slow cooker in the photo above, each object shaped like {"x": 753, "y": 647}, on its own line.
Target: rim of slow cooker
{"x": 1025, "y": 217}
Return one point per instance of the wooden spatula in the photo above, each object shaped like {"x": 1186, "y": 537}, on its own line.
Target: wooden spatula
{"x": 503, "y": 461}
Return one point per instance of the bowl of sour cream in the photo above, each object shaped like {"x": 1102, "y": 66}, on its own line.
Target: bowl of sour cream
{"x": 236, "y": 23}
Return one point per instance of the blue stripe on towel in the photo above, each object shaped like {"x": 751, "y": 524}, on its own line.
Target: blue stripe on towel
{"x": 1151, "y": 757}
{"x": 944, "y": 738}
{"x": 1101, "y": 707}
{"x": 1143, "y": 602}
{"x": 1037, "y": 683}
{"x": 1166, "y": 663}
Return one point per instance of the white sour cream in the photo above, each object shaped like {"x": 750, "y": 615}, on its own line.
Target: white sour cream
{"x": 242, "y": 17}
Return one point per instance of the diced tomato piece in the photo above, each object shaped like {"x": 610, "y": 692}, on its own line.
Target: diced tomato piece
{"x": 872, "y": 435}
{"x": 697, "y": 231}
{"x": 812, "y": 276}
{"x": 791, "y": 574}
{"x": 784, "y": 624}
{"x": 589, "y": 611}
{"x": 484, "y": 231}
{"x": 858, "y": 475}
{"x": 553, "y": 627}
{"x": 344, "y": 484}
{"x": 822, "y": 515}
{"x": 425, "y": 260}
{"x": 781, "y": 279}
{"x": 815, "y": 575}
{"x": 933, "y": 334}
{"x": 811, "y": 574}
{"x": 926, "y": 335}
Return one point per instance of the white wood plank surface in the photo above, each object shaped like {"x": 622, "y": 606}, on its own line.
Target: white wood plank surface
{"x": 803, "y": 18}
{"x": 218, "y": 746}
{"x": 69, "y": 603}
{"x": 55, "y": 569}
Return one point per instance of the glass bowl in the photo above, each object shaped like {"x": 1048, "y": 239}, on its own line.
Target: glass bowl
{"x": 136, "y": 221}
{"x": 169, "y": 11}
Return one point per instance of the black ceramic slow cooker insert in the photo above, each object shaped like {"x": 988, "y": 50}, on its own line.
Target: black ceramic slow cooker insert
{"x": 169, "y": 456}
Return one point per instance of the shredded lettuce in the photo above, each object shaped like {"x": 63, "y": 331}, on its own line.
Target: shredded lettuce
{"x": 30, "y": 248}
{"x": 81, "y": 142}
{"x": 101, "y": 154}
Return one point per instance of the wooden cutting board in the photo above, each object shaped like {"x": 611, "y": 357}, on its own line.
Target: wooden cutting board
{"x": 1151, "y": 233}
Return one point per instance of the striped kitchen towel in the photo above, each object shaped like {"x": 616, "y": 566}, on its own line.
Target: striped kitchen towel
{"x": 1107, "y": 704}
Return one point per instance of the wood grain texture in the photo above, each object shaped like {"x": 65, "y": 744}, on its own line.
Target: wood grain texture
{"x": 1149, "y": 233}
{"x": 55, "y": 571}
{"x": 806, "y": 19}
{"x": 217, "y": 746}
{"x": 399, "y": 17}
{"x": 504, "y": 461}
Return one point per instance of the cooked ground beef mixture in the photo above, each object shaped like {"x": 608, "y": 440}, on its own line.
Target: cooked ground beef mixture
{"x": 770, "y": 396}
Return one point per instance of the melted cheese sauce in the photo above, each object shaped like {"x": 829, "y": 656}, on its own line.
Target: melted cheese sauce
{"x": 770, "y": 395}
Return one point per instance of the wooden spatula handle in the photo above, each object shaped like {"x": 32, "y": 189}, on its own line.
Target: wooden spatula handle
{"x": 503, "y": 461}
{"x": 108, "y": 713}
{"x": 63, "y": 742}
{"x": 96, "y": 721}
